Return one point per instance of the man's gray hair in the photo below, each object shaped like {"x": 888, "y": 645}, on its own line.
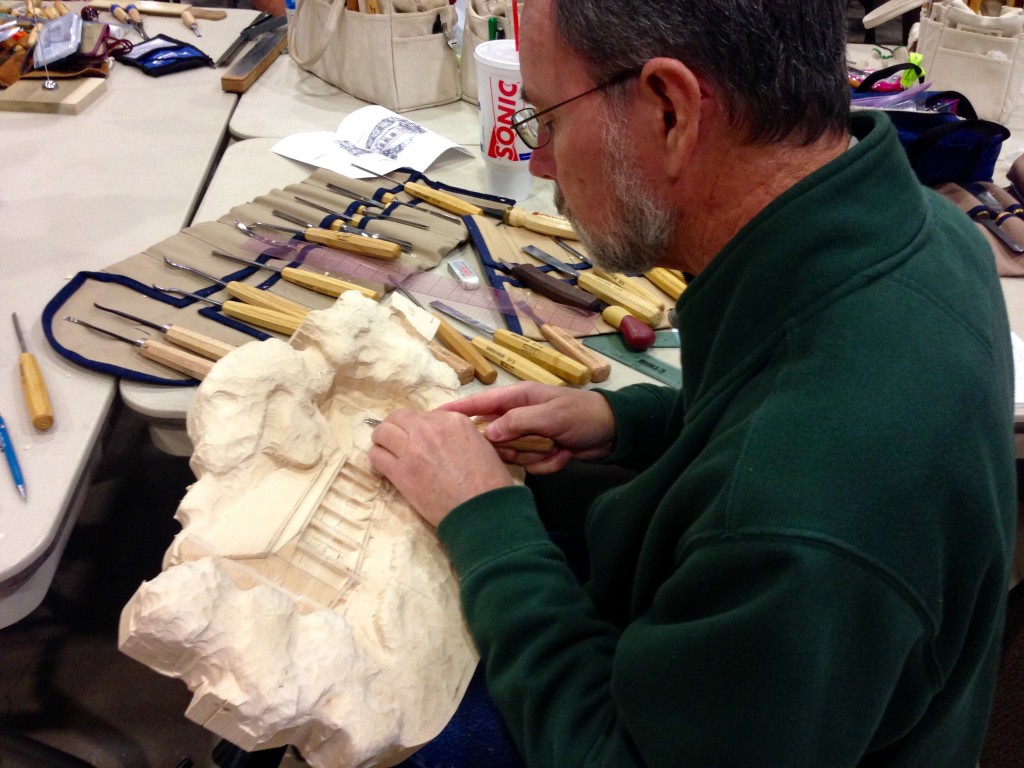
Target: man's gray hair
{"x": 779, "y": 66}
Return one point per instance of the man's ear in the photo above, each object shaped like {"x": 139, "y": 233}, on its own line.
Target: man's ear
{"x": 671, "y": 96}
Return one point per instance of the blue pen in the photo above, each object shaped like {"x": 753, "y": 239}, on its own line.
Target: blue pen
{"x": 12, "y": 461}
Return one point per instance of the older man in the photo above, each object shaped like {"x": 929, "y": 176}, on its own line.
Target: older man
{"x": 810, "y": 567}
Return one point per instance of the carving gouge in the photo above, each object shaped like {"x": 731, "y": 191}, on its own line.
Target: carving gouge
{"x": 388, "y": 199}
{"x": 405, "y": 245}
{"x": 33, "y": 386}
{"x": 248, "y": 293}
{"x": 171, "y": 357}
{"x": 560, "y": 339}
{"x": 190, "y": 21}
{"x": 535, "y": 221}
{"x": 325, "y": 284}
{"x": 612, "y": 277}
{"x": 357, "y": 218}
{"x": 550, "y": 360}
{"x": 427, "y": 194}
{"x": 531, "y": 443}
{"x": 457, "y": 343}
{"x": 341, "y": 241}
{"x": 550, "y": 287}
{"x": 136, "y": 17}
{"x": 211, "y": 349}
{"x": 261, "y": 317}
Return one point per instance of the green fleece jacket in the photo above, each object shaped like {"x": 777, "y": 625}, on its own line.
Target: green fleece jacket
{"x": 811, "y": 567}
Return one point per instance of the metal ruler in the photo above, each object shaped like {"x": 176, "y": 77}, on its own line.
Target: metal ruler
{"x": 612, "y": 346}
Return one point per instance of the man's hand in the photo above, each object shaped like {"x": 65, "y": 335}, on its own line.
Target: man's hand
{"x": 579, "y": 421}
{"x": 436, "y": 460}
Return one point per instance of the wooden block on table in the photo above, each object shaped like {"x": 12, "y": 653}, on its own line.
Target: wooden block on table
{"x": 246, "y": 70}
{"x": 70, "y": 97}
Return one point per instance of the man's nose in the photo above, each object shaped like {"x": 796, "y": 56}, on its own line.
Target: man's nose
{"x": 542, "y": 163}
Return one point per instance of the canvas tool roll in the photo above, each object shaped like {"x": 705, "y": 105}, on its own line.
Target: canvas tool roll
{"x": 477, "y": 30}
{"x": 399, "y": 57}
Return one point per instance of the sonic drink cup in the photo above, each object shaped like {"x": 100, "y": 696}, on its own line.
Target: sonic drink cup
{"x": 500, "y": 88}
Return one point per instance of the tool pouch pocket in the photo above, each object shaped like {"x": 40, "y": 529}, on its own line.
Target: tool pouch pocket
{"x": 401, "y": 61}
{"x": 478, "y": 30}
{"x": 162, "y": 55}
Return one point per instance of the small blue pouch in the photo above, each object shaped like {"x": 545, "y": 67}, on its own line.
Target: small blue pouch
{"x": 162, "y": 55}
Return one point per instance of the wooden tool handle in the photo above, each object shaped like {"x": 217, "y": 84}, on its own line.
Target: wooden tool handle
{"x": 442, "y": 200}
{"x": 553, "y": 288}
{"x": 463, "y": 369}
{"x": 600, "y": 368}
{"x": 325, "y": 284}
{"x": 549, "y": 359}
{"x": 530, "y": 443}
{"x": 176, "y": 359}
{"x": 134, "y": 15}
{"x": 365, "y": 246}
{"x": 262, "y": 317}
{"x": 535, "y": 221}
{"x": 266, "y": 299}
{"x": 613, "y": 294}
{"x": 461, "y": 346}
{"x": 211, "y": 349}
{"x": 207, "y": 14}
{"x": 666, "y": 281}
{"x": 119, "y": 13}
{"x": 515, "y": 364}
{"x": 187, "y": 18}
{"x": 37, "y": 398}
{"x": 619, "y": 279}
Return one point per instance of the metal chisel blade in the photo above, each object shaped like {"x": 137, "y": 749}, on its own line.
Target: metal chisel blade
{"x": 462, "y": 317}
{"x": 550, "y": 260}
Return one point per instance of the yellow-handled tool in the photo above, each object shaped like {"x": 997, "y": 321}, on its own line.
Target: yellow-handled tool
{"x": 639, "y": 307}
{"x": 211, "y": 349}
{"x": 176, "y": 359}
{"x": 325, "y": 284}
{"x": 271, "y": 320}
{"x": 551, "y": 360}
{"x": 248, "y": 293}
{"x": 342, "y": 241}
{"x": 33, "y": 386}
{"x": 564, "y": 342}
{"x": 189, "y": 20}
{"x": 442, "y": 200}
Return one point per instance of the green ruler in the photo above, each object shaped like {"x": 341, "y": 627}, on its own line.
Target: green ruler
{"x": 612, "y": 346}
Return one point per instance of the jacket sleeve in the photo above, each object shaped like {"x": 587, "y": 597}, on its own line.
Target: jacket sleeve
{"x": 646, "y": 422}
{"x": 731, "y": 662}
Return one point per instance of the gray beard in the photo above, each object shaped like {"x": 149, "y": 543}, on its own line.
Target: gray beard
{"x": 639, "y": 235}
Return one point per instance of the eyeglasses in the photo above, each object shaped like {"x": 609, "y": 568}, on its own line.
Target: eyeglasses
{"x": 536, "y": 134}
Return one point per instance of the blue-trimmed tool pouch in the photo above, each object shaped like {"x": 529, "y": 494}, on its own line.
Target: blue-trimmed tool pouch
{"x": 162, "y": 55}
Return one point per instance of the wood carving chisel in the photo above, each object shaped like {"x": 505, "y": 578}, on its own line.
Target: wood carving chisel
{"x": 564, "y": 342}
{"x": 190, "y": 21}
{"x": 342, "y": 241}
{"x": 457, "y": 343}
{"x": 33, "y": 386}
{"x": 428, "y": 194}
{"x": 261, "y": 317}
{"x": 176, "y": 359}
{"x": 248, "y": 293}
{"x": 325, "y": 284}
{"x": 211, "y": 349}
{"x": 360, "y": 216}
{"x": 136, "y": 17}
{"x": 388, "y": 199}
{"x": 550, "y": 287}
{"x": 534, "y": 221}
{"x": 551, "y": 360}
{"x": 615, "y": 278}
{"x": 531, "y": 443}
{"x": 405, "y": 245}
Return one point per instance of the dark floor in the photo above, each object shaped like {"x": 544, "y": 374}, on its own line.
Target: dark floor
{"x": 62, "y": 680}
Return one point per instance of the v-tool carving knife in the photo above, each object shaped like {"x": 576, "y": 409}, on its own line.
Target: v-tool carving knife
{"x": 358, "y": 218}
{"x": 550, "y": 360}
{"x": 405, "y": 245}
{"x": 325, "y": 284}
{"x": 172, "y": 357}
{"x": 531, "y": 443}
{"x": 248, "y": 293}
{"x": 261, "y": 317}
{"x": 388, "y": 199}
{"x": 211, "y": 349}
{"x": 342, "y": 241}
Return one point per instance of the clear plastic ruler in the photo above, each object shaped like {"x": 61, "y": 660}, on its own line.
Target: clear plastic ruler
{"x": 612, "y": 346}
